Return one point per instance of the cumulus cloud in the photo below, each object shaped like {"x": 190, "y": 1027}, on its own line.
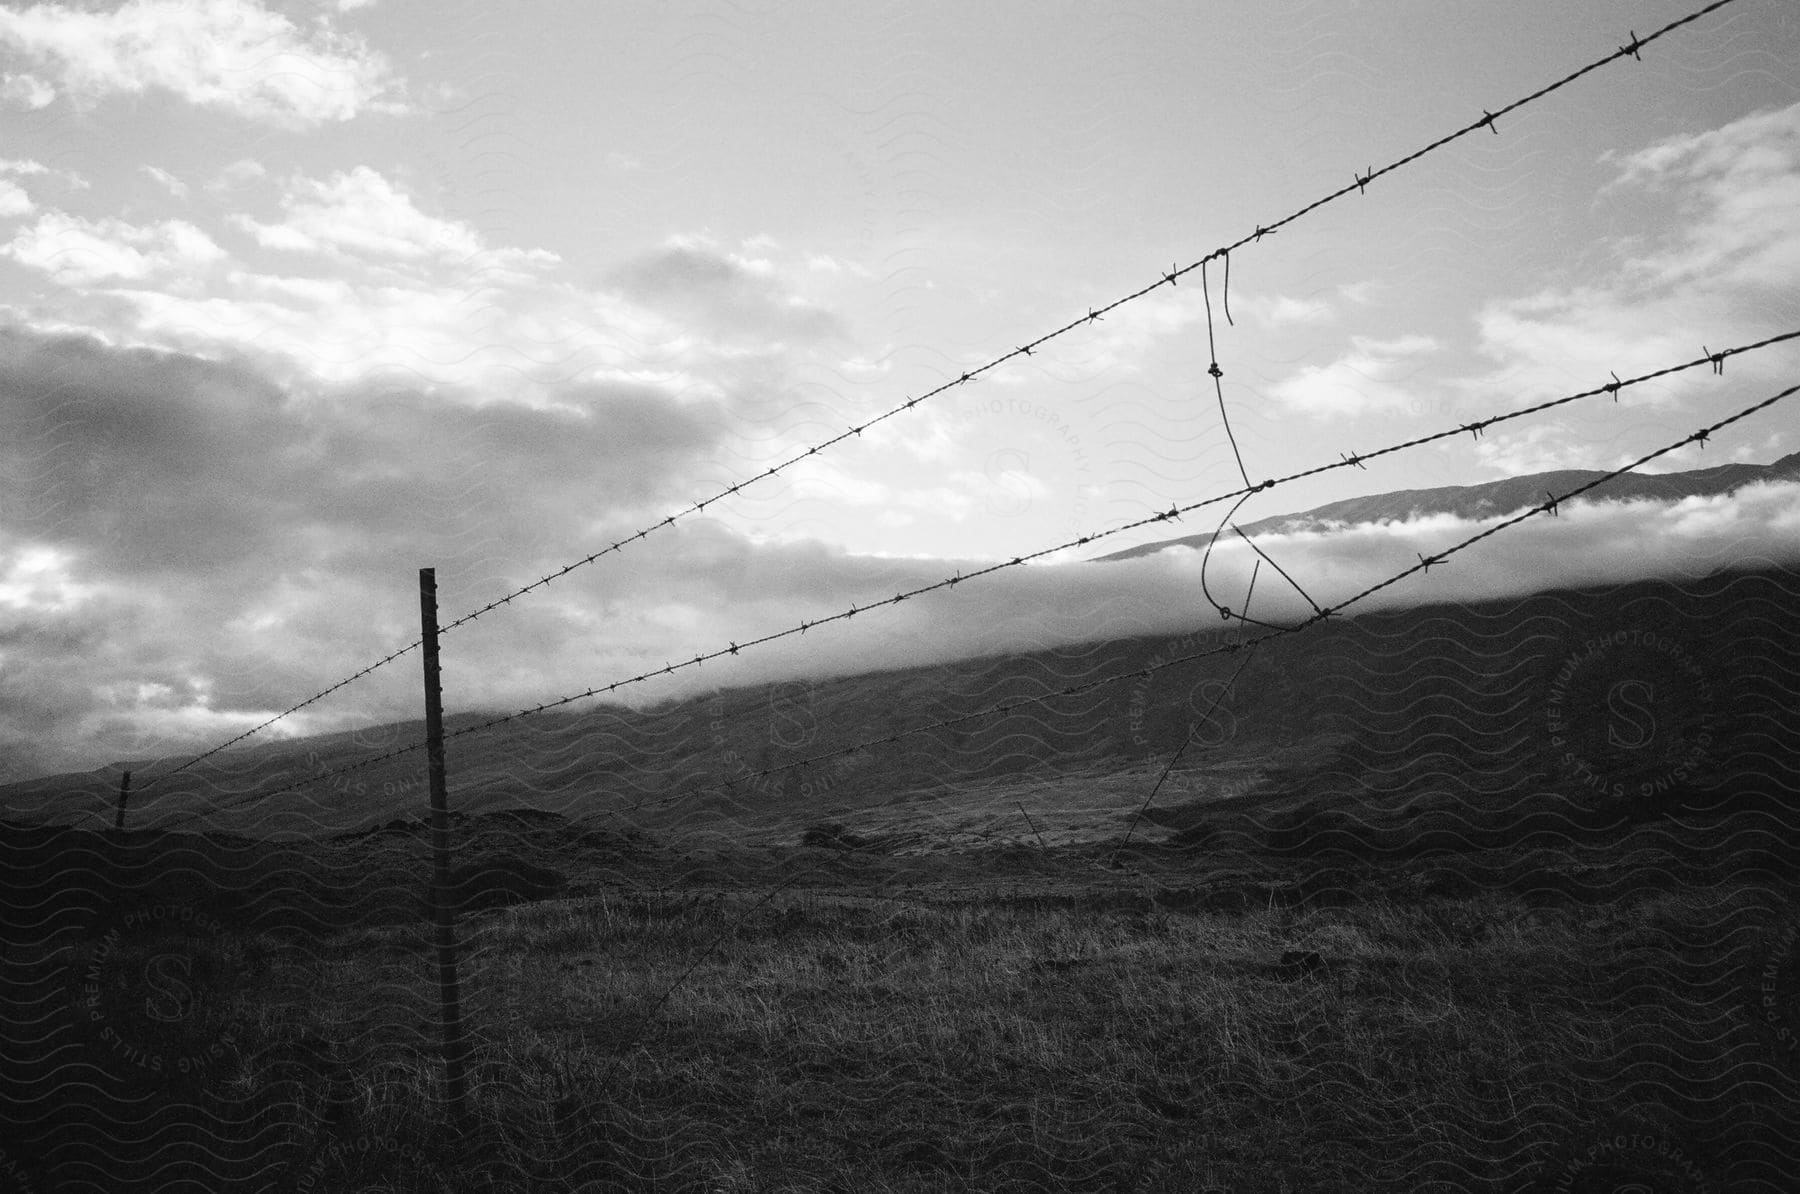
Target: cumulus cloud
{"x": 26, "y": 91}
{"x": 236, "y": 175}
{"x": 370, "y": 287}
{"x": 725, "y": 295}
{"x": 186, "y": 536}
{"x": 1722, "y": 273}
{"x": 359, "y": 213}
{"x": 79, "y": 252}
{"x": 1277, "y": 312}
{"x": 167, "y": 181}
{"x": 1741, "y": 182}
{"x": 14, "y": 201}
{"x": 236, "y": 56}
{"x": 1371, "y": 377}
{"x": 351, "y": 282}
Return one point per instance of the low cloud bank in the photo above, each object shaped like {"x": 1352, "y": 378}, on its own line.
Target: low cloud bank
{"x": 106, "y": 673}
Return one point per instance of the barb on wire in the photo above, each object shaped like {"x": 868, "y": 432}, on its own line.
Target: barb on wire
{"x": 1359, "y": 185}
{"x": 1241, "y": 496}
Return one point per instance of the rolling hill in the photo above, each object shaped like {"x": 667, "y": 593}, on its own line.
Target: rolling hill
{"x": 1600, "y": 703}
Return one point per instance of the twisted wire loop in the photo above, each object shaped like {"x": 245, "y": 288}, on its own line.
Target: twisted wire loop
{"x": 1610, "y": 389}
{"x": 1170, "y": 278}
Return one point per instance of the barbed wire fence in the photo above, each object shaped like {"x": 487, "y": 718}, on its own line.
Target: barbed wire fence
{"x": 1611, "y": 389}
{"x": 1172, "y": 277}
{"x": 1243, "y": 645}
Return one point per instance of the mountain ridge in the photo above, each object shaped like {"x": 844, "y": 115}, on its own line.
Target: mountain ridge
{"x": 1491, "y": 499}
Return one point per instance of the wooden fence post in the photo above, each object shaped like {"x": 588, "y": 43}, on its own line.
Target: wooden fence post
{"x": 124, "y": 791}
{"x": 1034, "y": 828}
{"x": 443, "y": 911}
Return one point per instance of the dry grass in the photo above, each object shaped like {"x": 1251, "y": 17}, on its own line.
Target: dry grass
{"x": 1026, "y": 1021}
{"x": 823, "y": 1045}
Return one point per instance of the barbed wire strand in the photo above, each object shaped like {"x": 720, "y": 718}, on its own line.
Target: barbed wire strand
{"x": 1612, "y": 388}
{"x": 1094, "y": 315}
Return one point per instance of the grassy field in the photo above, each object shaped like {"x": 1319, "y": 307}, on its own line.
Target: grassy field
{"x": 1383, "y": 928}
{"x": 825, "y": 1019}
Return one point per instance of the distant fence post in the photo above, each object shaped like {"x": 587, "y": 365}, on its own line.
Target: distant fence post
{"x": 1034, "y": 828}
{"x": 124, "y": 791}
{"x": 443, "y": 913}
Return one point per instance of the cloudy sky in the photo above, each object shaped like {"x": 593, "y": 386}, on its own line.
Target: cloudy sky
{"x": 299, "y": 296}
